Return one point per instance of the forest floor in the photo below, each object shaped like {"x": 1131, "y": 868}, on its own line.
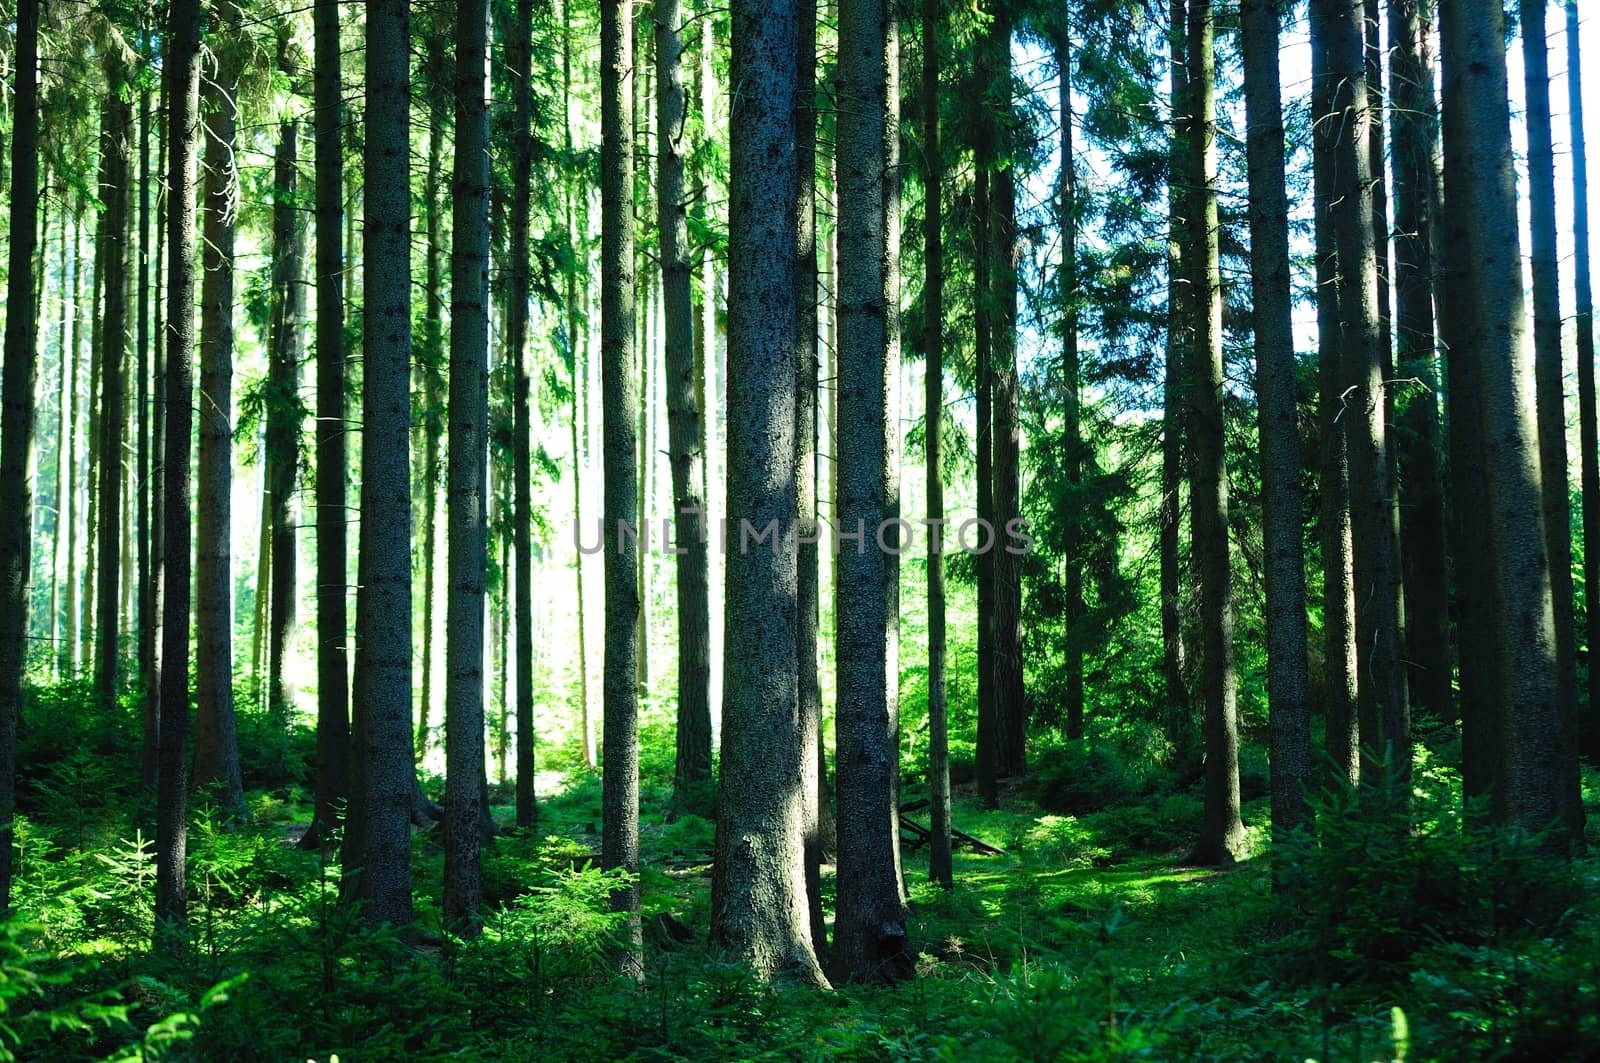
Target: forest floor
{"x": 1083, "y": 940}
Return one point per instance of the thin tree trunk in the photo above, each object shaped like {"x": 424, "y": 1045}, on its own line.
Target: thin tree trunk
{"x": 60, "y": 563}
{"x": 1550, "y": 395}
{"x": 939, "y": 860}
{"x": 1221, "y": 835}
{"x": 1010, "y": 709}
{"x": 468, "y": 475}
{"x": 181, "y": 60}
{"x": 522, "y": 464}
{"x": 432, "y": 366}
{"x": 116, "y": 174}
{"x": 1589, "y": 436}
{"x": 1067, "y": 286}
{"x": 216, "y": 746}
{"x": 1381, "y": 697}
{"x": 758, "y": 887}
{"x": 1478, "y": 167}
{"x": 869, "y": 921}
{"x": 987, "y": 764}
{"x": 74, "y": 407}
{"x": 16, "y": 394}
{"x": 1287, "y": 681}
{"x": 383, "y": 777}
{"x": 577, "y": 349}
{"x": 1179, "y": 714}
{"x": 684, "y": 429}
{"x": 333, "y": 682}
{"x": 158, "y": 448}
{"x": 620, "y": 400}
{"x": 1422, "y": 529}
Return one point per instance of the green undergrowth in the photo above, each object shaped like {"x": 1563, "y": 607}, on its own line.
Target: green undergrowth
{"x": 1083, "y": 940}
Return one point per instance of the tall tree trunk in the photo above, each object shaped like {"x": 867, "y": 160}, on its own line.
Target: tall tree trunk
{"x": 383, "y": 778}
{"x": 1071, "y": 371}
{"x": 577, "y": 348}
{"x": 1178, "y": 718}
{"x": 431, "y": 362}
{"x": 1381, "y": 698}
{"x": 74, "y": 581}
{"x": 283, "y": 398}
{"x": 16, "y": 395}
{"x": 116, "y": 175}
{"x": 1589, "y": 436}
{"x": 758, "y": 888}
{"x": 1422, "y": 514}
{"x": 181, "y": 60}
{"x": 61, "y": 597}
{"x": 1372, "y": 61}
{"x": 684, "y": 429}
{"x": 1550, "y": 396}
{"x": 620, "y": 401}
{"x": 143, "y": 521}
{"x": 469, "y": 449}
{"x": 158, "y": 419}
{"x": 808, "y": 577}
{"x": 869, "y": 920}
{"x": 1221, "y": 835}
{"x": 522, "y": 464}
{"x": 91, "y": 479}
{"x": 1287, "y": 681}
{"x": 1341, "y": 742}
{"x": 987, "y": 765}
{"x": 333, "y": 681}
{"x": 939, "y": 860}
{"x": 216, "y": 746}
{"x": 1478, "y": 167}
{"x": 1010, "y": 709}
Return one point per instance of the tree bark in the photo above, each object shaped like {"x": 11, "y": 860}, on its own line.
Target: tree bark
{"x": 1422, "y": 515}
{"x": 377, "y": 830}
{"x": 1178, "y": 718}
{"x": 467, "y": 506}
{"x": 116, "y": 175}
{"x": 431, "y": 363}
{"x": 333, "y": 680}
{"x": 1288, "y": 697}
{"x": 1381, "y": 697}
{"x": 216, "y": 746}
{"x": 987, "y": 764}
{"x": 181, "y": 61}
{"x": 869, "y": 919}
{"x": 522, "y": 464}
{"x": 758, "y": 887}
{"x": 16, "y": 396}
{"x": 1589, "y": 436}
{"x": 940, "y": 867}
{"x": 1478, "y": 167}
{"x": 620, "y": 402}
{"x": 1550, "y": 397}
{"x": 1071, "y": 372}
{"x": 1221, "y": 834}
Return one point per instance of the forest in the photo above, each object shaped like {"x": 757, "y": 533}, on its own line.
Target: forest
{"x": 804, "y": 529}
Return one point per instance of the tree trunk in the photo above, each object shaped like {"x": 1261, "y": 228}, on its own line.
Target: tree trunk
{"x": 216, "y": 746}
{"x": 1422, "y": 536}
{"x": 522, "y": 472}
{"x": 1221, "y": 835}
{"x": 577, "y": 348}
{"x": 939, "y": 861}
{"x": 684, "y": 429}
{"x": 74, "y": 583}
{"x": 431, "y": 362}
{"x": 181, "y": 61}
{"x": 1381, "y": 698}
{"x": 1588, "y": 434}
{"x": 1179, "y": 714}
{"x": 870, "y": 918}
{"x": 1010, "y": 709}
{"x": 66, "y": 439}
{"x": 1288, "y": 698}
{"x": 116, "y": 174}
{"x": 16, "y": 394}
{"x": 333, "y": 680}
{"x": 158, "y": 420}
{"x": 987, "y": 764}
{"x": 758, "y": 887}
{"x": 469, "y": 449}
{"x": 620, "y": 401}
{"x": 1071, "y": 371}
{"x": 383, "y": 777}
{"x": 1478, "y": 158}
{"x": 1550, "y": 396}
{"x": 1342, "y": 732}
